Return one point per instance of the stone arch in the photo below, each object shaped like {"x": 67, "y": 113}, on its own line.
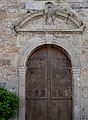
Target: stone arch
{"x": 27, "y": 50}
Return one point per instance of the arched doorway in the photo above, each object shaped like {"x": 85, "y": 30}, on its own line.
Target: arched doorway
{"x": 48, "y": 85}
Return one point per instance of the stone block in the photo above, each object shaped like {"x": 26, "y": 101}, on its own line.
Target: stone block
{"x": 3, "y": 83}
{"x": 85, "y": 44}
{"x": 3, "y": 14}
{"x": 22, "y": 92}
{"x": 84, "y": 71}
{"x": 4, "y": 62}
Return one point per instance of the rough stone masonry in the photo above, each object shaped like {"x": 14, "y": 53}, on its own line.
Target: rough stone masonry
{"x": 15, "y": 43}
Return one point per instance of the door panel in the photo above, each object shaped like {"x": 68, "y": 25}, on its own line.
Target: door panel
{"x": 60, "y": 110}
{"x": 37, "y": 83}
{"x": 61, "y": 86}
{"x": 60, "y": 79}
{"x": 48, "y": 85}
{"x": 37, "y": 110}
{"x": 37, "y": 75}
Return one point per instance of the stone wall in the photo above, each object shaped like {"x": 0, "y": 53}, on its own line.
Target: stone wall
{"x": 11, "y": 11}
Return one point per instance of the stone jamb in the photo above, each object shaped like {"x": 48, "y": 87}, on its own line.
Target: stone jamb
{"x": 76, "y": 92}
{"x": 22, "y": 73}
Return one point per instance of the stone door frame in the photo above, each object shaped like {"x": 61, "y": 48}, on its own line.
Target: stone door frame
{"x": 31, "y": 43}
{"x": 23, "y": 57}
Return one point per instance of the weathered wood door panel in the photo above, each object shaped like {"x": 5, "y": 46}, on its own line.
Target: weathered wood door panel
{"x": 37, "y": 110}
{"x": 60, "y": 110}
{"x": 48, "y": 85}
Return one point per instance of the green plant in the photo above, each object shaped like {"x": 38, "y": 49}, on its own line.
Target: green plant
{"x": 9, "y": 103}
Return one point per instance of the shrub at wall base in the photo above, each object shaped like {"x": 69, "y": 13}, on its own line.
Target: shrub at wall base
{"x": 9, "y": 103}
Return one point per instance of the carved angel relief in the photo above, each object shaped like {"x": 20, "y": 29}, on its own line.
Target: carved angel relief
{"x": 49, "y": 13}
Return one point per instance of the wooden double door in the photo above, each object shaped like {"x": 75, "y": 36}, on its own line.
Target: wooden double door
{"x": 48, "y": 85}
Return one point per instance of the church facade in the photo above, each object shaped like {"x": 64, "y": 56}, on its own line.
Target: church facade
{"x": 44, "y": 57}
